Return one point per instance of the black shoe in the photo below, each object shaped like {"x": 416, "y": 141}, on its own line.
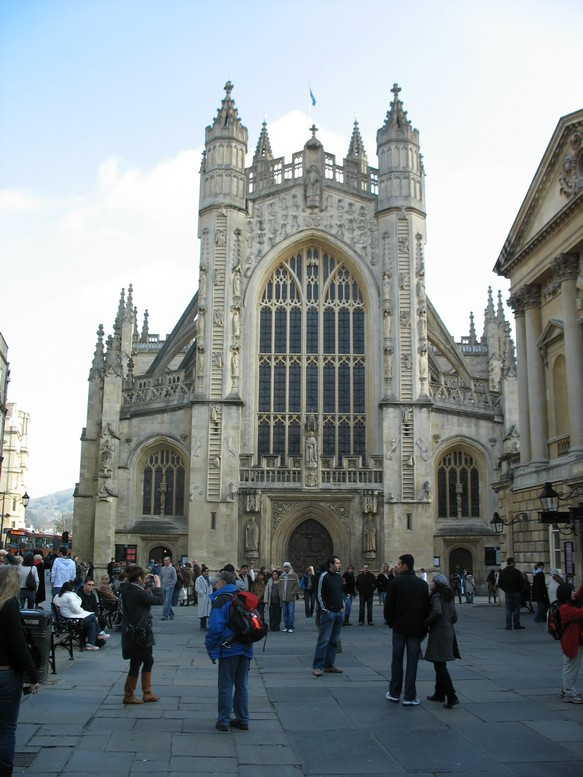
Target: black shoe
{"x": 520, "y": 627}
{"x": 370, "y": 623}
{"x": 436, "y": 697}
{"x": 238, "y": 724}
{"x": 451, "y": 702}
{"x": 221, "y": 726}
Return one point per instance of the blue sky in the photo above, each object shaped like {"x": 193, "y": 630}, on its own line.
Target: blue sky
{"x": 103, "y": 107}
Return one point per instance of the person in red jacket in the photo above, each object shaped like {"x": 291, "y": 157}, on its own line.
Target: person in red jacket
{"x": 571, "y": 639}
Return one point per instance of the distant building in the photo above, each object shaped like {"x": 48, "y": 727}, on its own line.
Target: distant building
{"x": 310, "y": 399}
{"x": 14, "y": 467}
{"x": 4, "y": 373}
{"x": 542, "y": 259}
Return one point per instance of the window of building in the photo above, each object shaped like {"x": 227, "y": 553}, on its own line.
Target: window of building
{"x": 458, "y": 486}
{"x": 164, "y": 483}
{"x": 311, "y": 357}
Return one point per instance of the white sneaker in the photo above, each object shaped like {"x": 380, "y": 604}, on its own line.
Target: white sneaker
{"x": 284, "y": 629}
{"x": 290, "y": 631}
{"x": 91, "y": 647}
{"x": 391, "y": 698}
{"x": 574, "y": 698}
{"x": 103, "y": 635}
{"x": 411, "y": 702}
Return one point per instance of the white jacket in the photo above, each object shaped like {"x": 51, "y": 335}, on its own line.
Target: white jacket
{"x": 69, "y": 605}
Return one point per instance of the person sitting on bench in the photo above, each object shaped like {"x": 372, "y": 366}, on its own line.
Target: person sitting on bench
{"x": 69, "y": 605}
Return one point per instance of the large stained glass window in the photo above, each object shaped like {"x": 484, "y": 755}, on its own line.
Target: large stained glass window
{"x": 164, "y": 485}
{"x": 311, "y": 357}
{"x": 458, "y": 486}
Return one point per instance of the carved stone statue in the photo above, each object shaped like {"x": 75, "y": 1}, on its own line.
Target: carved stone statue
{"x": 311, "y": 450}
{"x": 369, "y": 536}
{"x": 251, "y": 535}
{"x": 237, "y": 283}
{"x": 313, "y": 188}
{"x": 236, "y": 323}
{"x": 253, "y": 502}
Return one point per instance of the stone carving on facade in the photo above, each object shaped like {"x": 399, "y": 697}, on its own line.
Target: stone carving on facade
{"x": 221, "y": 237}
{"x": 233, "y": 491}
{"x": 237, "y": 284}
{"x": 311, "y": 451}
{"x": 387, "y": 320}
{"x": 218, "y": 317}
{"x": 369, "y": 503}
{"x": 216, "y": 412}
{"x": 217, "y": 360}
{"x": 566, "y": 267}
{"x": 406, "y": 361}
{"x": 200, "y": 323}
{"x": 106, "y": 457}
{"x": 495, "y": 372}
{"x": 199, "y": 443}
{"x": 280, "y": 510}
{"x": 511, "y": 442}
{"x": 393, "y": 445}
{"x": 199, "y": 362}
{"x": 105, "y": 493}
{"x": 204, "y": 252}
{"x": 387, "y": 285}
{"x": 342, "y": 511}
{"x": 235, "y": 367}
{"x": 237, "y": 249}
{"x": 426, "y": 495}
{"x": 571, "y": 177}
{"x": 202, "y": 282}
{"x": 252, "y": 538}
{"x": 253, "y": 501}
{"x": 230, "y": 446}
{"x": 388, "y": 363}
{"x": 422, "y": 350}
{"x": 313, "y": 188}
{"x": 369, "y": 537}
{"x": 425, "y": 455}
{"x": 236, "y": 322}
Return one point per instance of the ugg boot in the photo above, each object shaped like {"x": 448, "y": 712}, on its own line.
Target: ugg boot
{"x": 129, "y": 691}
{"x": 147, "y": 687}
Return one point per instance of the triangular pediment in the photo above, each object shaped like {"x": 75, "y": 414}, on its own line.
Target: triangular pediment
{"x": 555, "y": 192}
{"x": 553, "y": 331}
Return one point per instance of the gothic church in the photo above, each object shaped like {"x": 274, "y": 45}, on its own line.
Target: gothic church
{"x": 310, "y": 399}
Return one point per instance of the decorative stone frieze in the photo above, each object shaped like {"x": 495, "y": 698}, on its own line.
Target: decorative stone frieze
{"x": 571, "y": 178}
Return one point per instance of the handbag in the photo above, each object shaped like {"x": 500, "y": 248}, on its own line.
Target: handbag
{"x": 30, "y": 581}
{"x": 139, "y": 635}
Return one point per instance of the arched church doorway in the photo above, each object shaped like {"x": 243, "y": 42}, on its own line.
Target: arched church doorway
{"x": 309, "y": 544}
{"x": 158, "y": 553}
{"x": 460, "y": 559}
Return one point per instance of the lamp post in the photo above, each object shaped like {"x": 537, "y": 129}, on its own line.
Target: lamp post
{"x": 497, "y": 523}
{"x": 550, "y": 512}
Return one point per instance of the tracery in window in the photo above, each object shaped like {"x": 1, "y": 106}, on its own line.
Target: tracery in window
{"x": 311, "y": 357}
{"x": 164, "y": 483}
{"x": 458, "y": 486}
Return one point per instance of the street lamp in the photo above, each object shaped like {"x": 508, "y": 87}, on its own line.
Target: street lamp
{"x": 550, "y": 513}
{"x": 497, "y": 523}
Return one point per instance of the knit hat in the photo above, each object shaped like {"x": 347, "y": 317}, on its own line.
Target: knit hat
{"x": 440, "y": 579}
{"x": 286, "y": 564}
{"x": 556, "y": 572}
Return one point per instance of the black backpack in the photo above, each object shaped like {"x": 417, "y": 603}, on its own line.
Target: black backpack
{"x": 244, "y": 619}
{"x": 554, "y": 626}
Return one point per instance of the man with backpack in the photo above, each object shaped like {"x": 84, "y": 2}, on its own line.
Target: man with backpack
{"x": 233, "y": 657}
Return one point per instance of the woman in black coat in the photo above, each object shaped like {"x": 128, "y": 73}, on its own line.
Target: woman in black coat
{"x": 441, "y": 641}
{"x": 15, "y": 659}
{"x": 138, "y": 594}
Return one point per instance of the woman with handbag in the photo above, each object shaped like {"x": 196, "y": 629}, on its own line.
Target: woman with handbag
{"x": 442, "y": 643}
{"x": 15, "y": 658}
{"x": 28, "y": 581}
{"x": 137, "y": 636}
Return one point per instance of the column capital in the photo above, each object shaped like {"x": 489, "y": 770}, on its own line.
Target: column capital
{"x": 528, "y": 296}
{"x": 566, "y": 266}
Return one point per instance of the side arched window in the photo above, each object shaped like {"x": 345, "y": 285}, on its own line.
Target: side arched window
{"x": 164, "y": 483}
{"x": 458, "y": 486}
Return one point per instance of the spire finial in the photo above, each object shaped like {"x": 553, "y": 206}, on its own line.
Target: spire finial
{"x": 395, "y": 90}
{"x": 229, "y": 88}
{"x": 313, "y": 130}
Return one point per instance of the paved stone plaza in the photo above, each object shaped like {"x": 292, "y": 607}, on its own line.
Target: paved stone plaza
{"x": 511, "y": 720}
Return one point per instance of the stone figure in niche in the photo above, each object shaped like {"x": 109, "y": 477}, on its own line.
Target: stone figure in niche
{"x": 106, "y": 459}
{"x": 392, "y": 448}
{"x": 253, "y": 502}
{"x": 407, "y": 415}
{"x": 388, "y": 362}
{"x": 233, "y": 491}
{"x": 217, "y": 359}
{"x": 387, "y": 318}
{"x": 311, "y": 424}
{"x": 495, "y": 372}
{"x": 237, "y": 283}
{"x": 221, "y": 237}
{"x": 406, "y": 361}
{"x": 218, "y": 317}
{"x": 215, "y": 414}
{"x": 235, "y": 364}
{"x": 427, "y": 491}
{"x": 236, "y": 323}
{"x": 202, "y": 284}
{"x": 200, "y": 323}
{"x": 313, "y": 187}
{"x": 386, "y": 285}
{"x": 311, "y": 450}
{"x": 200, "y": 363}
{"x": 251, "y": 535}
{"x": 369, "y": 536}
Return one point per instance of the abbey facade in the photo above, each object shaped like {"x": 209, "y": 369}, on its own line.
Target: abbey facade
{"x": 310, "y": 399}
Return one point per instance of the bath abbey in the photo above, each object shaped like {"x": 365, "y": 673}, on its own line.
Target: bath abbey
{"x": 309, "y": 399}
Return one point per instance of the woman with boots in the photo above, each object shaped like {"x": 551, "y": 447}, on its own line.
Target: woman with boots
{"x": 442, "y": 643}
{"x": 137, "y": 637}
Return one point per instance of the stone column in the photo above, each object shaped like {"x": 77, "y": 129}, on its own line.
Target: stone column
{"x": 516, "y": 302}
{"x": 566, "y": 267}
{"x": 536, "y": 377}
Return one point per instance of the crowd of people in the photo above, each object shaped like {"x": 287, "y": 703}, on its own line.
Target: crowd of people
{"x": 414, "y": 607}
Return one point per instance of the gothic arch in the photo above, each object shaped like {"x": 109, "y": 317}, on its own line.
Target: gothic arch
{"x": 137, "y": 463}
{"x": 477, "y": 458}
{"x": 322, "y": 514}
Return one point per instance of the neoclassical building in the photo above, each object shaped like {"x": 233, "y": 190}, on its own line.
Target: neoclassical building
{"x": 309, "y": 399}
{"x": 542, "y": 259}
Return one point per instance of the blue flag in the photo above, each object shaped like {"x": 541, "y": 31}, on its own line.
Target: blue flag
{"x": 312, "y": 98}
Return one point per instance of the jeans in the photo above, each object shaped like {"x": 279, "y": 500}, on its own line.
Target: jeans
{"x": 512, "y": 610}
{"x": 413, "y": 646}
{"x": 233, "y": 672}
{"x": 90, "y": 625}
{"x": 289, "y": 611}
{"x": 570, "y": 669}
{"x": 347, "y": 599}
{"x": 328, "y": 636}
{"x": 168, "y": 612}
{"x": 368, "y": 601}
{"x": 309, "y": 602}
{"x": 540, "y": 614}
{"x": 10, "y": 695}
{"x": 27, "y": 599}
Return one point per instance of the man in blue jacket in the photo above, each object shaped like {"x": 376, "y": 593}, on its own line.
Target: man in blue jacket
{"x": 233, "y": 659}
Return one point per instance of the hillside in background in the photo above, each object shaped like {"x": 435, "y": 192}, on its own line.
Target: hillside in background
{"x": 44, "y": 511}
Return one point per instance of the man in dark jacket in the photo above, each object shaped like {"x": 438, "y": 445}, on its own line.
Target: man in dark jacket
{"x": 366, "y": 584}
{"x": 539, "y": 592}
{"x": 331, "y": 618}
{"x": 406, "y": 607}
{"x": 511, "y": 582}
